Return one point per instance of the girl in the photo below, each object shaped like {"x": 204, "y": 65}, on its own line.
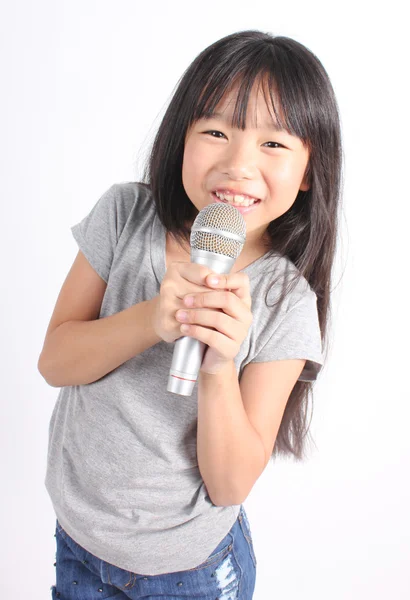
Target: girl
{"x": 148, "y": 486}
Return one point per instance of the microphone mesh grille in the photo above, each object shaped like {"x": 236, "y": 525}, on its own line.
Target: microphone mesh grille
{"x": 223, "y": 217}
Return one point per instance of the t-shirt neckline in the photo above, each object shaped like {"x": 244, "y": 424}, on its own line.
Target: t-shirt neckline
{"x": 158, "y": 251}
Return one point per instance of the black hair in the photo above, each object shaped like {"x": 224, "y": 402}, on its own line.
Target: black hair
{"x": 297, "y": 88}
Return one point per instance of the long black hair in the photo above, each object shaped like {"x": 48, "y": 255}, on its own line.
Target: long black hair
{"x": 291, "y": 75}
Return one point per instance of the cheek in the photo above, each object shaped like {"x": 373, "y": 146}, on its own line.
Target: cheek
{"x": 288, "y": 175}
{"x": 193, "y": 164}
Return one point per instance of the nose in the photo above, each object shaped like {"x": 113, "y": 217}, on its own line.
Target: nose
{"x": 239, "y": 162}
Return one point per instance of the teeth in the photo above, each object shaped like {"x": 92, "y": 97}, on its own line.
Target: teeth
{"x": 236, "y": 199}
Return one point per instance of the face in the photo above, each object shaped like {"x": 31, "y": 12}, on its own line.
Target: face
{"x": 260, "y": 162}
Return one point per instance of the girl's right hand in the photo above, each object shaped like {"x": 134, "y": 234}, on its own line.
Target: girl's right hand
{"x": 181, "y": 278}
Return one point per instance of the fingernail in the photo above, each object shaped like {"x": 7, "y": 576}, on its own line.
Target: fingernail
{"x": 213, "y": 280}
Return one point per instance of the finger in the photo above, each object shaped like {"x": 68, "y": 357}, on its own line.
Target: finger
{"x": 193, "y": 272}
{"x": 212, "y": 319}
{"x": 238, "y": 283}
{"x": 231, "y": 304}
{"x": 214, "y": 339}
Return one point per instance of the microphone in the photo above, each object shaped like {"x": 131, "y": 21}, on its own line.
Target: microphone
{"x": 218, "y": 235}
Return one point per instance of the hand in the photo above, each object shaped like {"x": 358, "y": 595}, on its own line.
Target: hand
{"x": 219, "y": 318}
{"x": 181, "y": 278}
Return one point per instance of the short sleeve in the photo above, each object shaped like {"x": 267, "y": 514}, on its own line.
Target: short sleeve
{"x": 297, "y": 335}
{"x": 96, "y": 234}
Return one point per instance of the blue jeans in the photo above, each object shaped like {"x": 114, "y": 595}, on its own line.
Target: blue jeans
{"x": 228, "y": 573}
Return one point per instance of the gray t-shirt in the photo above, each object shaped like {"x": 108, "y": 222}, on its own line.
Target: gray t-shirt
{"x": 122, "y": 469}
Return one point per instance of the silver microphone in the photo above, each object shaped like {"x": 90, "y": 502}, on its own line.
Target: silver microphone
{"x": 217, "y": 237}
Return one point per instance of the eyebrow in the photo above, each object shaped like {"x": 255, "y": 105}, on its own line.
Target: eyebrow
{"x": 272, "y": 125}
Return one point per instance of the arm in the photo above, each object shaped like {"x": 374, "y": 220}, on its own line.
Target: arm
{"x": 80, "y": 352}
{"x": 230, "y": 452}
{"x": 80, "y": 348}
{"x": 238, "y": 425}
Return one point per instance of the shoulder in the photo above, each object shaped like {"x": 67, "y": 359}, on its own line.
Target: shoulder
{"x": 286, "y": 319}
{"x": 131, "y": 193}
{"x": 123, "y": 197}
{"x": 134, "y": 205}
{"x": 280, "y": 285}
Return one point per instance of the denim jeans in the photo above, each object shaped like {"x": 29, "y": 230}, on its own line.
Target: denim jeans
{"x": 228, "y": 573}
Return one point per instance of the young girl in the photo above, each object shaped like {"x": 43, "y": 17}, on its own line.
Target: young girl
{"x": 147, "y": 485}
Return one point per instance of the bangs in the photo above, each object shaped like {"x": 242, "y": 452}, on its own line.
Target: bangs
{"x": 286, "y": 105}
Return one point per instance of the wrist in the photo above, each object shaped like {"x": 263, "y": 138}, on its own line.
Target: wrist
{"x": 151, "y": 317}
{"x": 221, "y": 369}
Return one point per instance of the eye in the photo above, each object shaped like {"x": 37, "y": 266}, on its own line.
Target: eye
{"x": 275, "y": 145}
{"x": 213, "y": 131}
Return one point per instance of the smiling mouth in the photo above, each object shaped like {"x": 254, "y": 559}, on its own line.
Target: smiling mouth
{"x": 236, "y": 199}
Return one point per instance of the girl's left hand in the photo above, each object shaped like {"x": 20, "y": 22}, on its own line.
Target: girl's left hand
{"x": 220, "y": 318}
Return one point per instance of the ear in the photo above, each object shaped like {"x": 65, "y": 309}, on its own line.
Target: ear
{"x": 305, "y": 185}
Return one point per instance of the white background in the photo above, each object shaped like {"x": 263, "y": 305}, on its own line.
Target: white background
{"x": 84, "y": 85}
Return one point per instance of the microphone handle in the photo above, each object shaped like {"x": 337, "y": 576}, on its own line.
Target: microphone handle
{"x": 189, "y": 352}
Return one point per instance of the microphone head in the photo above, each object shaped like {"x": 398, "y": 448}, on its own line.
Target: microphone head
{"x": 219, "y": 228}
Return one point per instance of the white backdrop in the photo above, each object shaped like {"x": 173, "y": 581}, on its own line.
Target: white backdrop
{"x": 84, "y": 84}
